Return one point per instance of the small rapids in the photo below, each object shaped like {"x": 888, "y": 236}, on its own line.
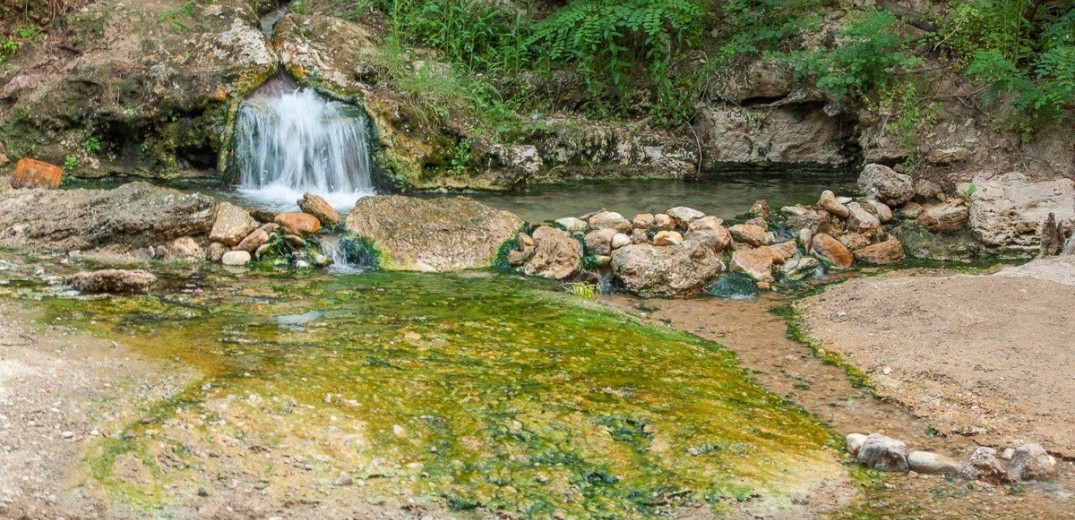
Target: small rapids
{"x": 291, "y": 140}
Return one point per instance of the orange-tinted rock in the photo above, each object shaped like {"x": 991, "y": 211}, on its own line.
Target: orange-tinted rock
{"x": 30, "y": 173}
{"x": 320, "y": 208}
{"x": 298, "y": 223}
{"x": 832, "y": 250}
{"x": 887, "y": 252}
{"x": 758, "y": 262}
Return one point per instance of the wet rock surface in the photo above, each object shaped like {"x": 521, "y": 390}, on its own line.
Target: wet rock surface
{"x": 440, "y": 234}
{"x": 113, "y": 281}
{"x": 133, "y": 215}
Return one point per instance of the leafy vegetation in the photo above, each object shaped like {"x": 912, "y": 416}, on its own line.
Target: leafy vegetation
{"x": 1021, "y": 49}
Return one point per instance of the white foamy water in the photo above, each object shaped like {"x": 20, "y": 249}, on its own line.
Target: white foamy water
{"x": 291, "y": 140}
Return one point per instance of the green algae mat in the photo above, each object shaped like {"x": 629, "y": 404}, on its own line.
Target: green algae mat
{"x": 482, "y": 391}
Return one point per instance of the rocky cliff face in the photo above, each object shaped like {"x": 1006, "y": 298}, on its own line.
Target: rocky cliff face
{"x": 155, "y": 85}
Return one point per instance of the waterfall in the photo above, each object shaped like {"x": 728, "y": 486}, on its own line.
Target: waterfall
{"x": 290, "y": 140}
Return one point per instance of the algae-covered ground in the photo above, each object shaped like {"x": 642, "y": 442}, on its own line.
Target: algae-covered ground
{"x": 486, "y": 392}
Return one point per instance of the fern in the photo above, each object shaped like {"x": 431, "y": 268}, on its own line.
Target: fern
{"x": 608, "y": 40}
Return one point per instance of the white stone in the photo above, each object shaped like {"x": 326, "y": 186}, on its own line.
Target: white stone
{"x": 236, "y": 258}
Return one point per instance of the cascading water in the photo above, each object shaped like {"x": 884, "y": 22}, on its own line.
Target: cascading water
{"x": 291, "y": 140}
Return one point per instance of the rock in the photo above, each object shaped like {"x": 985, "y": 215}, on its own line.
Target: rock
{"x": 929, "y": 463}
{"x": 829, "y": 203}
{"x": 831, "y": 250}
{"x": 1008, "y": 453}
{"x": 232, "y": 224}
{"x": 184, "y": 249}
{"x": 751, "y": 234}
{"x": 320, "y": 209}
{"x": 667, "y": 238}
{"x": 883, "y": 212}
{"x": 113, "y": 281}
{"x": 677, "y": 271}
{"x": 1031, "y": 462}
{"x": 30, "y": 173}
{"x": 861, "y": 220}
{"x": 298, "y": 224}
{"x": 715, "y": 226}
{"x": 926, "y": 190}
{"x": 786, "y": 251}
{"x": 771, "y": 134}
{"x": 684, "y": 216}
{"x": 855, "y": 241}
{"x": 260, "y": 252}
{"x": 556, "y": 254}
{"x": 639, "y": 236}
{"x": 216, "y": 252}
{"x": 911, "y": 210}
{"x": 236, "y": 258}
{"x": 943, "y": 218}
{"x": 983, "y": 465}
{"x": 264, "y": 216}
{"x": 854, "y": 442}
{"x": 294, "y": 241}
{"x": 758, "y": 262}
{"x": 644, "y": 221}
{"x": 888, "y": 252}
{"x": 599, "y": 241}
{"x": 134, "y": 215}
{"x": 883, "y": 454}
{"x": 882, "y": 183}
{"x": 760, "y": 209}
{"x": 662, "y": 221}
{"x": 795, "y": 211}
{"x": 253, "y": 241}
{"x": 799, "y": 268}
{"x": 1006, "y": 211}
{"x": 610, "y": 220}
{"x": 619, "y": 240}
{"x": 573, "y": 225}
{"x": 343, "y": 480}
{"x": 444, "y": 233}
{"x": 517, "y": 257}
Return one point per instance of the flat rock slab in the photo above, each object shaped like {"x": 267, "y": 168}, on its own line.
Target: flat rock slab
{"x": 136, "y": 214}
{"x": 957, "y": 345}
{"x": 113, "y": 281}
{"x": 434, "y": 234}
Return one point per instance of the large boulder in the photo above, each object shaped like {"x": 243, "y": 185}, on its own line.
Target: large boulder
{"x": 880, "y": 182}
{"x": 1006, "y": 211}
{"x": 113, "y": 281}
{"x": 432, "y": 234}
{"x": 676, "y": 271}
{"x": 556, "y": 255}
{"x": 136, "y": 215}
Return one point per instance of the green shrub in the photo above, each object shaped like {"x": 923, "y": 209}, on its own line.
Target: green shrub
{"x": 607, "y": 40}
{"x": 867, "y": 54}
{"x": 1019, "y": 49}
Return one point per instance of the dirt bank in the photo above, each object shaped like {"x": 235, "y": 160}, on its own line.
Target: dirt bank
{"x": 984, "y": 356}
{"x": 758, "y": 337}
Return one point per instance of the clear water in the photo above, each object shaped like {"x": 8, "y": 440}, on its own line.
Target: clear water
{"x": 724, "y": 196}
{"x": 291, "y": 140}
